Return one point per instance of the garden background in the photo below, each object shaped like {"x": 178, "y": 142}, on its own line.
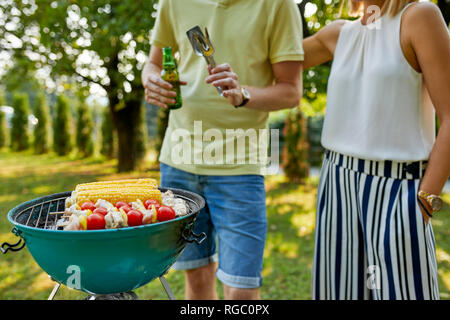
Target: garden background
{"x": 72, "y": 110}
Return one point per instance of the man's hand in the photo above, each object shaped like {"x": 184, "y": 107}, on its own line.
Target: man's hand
{"x": 224, "y": 77}
{"x": 159, "y": 92}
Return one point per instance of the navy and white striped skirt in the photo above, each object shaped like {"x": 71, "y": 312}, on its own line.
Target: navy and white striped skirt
{"x": 371, "y": 239}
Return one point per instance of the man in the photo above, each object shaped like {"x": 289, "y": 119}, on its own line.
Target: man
{"x": 259, "y": 55}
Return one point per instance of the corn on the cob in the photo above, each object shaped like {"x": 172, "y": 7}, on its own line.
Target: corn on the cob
{"x": 118, "y": 193}
{"x": 145, "y": 182}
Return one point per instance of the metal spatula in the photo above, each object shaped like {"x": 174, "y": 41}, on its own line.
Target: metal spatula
{"x": 202, "y": 46}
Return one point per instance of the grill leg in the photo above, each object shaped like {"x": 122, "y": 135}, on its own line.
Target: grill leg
{"x": 54, "y": 291}
{"x": 167, "y": 288}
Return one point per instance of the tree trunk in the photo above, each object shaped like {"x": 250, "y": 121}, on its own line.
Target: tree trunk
{"x": 126, "y": 123}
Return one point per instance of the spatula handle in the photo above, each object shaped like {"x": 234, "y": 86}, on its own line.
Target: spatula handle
{"x": 212, "y": 63}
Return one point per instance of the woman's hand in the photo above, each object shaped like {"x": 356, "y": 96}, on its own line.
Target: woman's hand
{"x": 425, "y": 204}
{"x": 224, "y": 77}
{"x": 159, "y": 92}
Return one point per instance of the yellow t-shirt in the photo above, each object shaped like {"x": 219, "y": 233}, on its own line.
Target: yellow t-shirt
{"x": 206, "y": 136}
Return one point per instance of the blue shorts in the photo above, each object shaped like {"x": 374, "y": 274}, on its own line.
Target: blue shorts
{"x": 235, "y": 215}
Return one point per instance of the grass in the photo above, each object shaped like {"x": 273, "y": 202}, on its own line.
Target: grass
{"x": 290, "y": 240}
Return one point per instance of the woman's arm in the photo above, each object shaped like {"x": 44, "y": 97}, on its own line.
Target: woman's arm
{"x": 430, "y": 41}
{"x": 319, "y": 48}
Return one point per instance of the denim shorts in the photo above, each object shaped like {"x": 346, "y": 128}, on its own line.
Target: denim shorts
{"x": 234, "y": 218}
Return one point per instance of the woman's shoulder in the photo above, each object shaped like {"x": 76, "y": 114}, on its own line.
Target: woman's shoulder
{"x": 422, "y": 13}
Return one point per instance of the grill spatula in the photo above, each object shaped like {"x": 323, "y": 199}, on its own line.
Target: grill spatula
{"x": 202, "y": 46}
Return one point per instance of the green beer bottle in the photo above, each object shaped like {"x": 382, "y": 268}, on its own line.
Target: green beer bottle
{"x": 170, "y": 74}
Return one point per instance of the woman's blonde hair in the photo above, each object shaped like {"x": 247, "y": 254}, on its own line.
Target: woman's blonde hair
{"x": 391, "y": 7}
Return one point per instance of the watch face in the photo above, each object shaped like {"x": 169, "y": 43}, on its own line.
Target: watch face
{"x": 436, "y": 203}
{"x": 245, "y": 93}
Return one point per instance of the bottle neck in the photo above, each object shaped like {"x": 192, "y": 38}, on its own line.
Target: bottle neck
{"x": 169, "y": 66}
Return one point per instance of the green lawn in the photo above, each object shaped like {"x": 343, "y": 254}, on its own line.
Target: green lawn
{"x": 288, "y": 254}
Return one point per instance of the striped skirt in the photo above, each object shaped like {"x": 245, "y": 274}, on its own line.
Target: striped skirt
{"x": 371, "y": 240}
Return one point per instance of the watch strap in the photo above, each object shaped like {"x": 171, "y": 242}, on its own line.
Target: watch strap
{"x": 245, "y": 100}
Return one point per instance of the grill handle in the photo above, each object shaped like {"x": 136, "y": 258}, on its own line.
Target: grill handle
{"x": 190, "y": 237}
{"x": 19, "y": 245}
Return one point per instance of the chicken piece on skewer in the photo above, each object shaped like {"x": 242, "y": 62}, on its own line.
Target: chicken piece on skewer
{"x": 104, "y": 204}
{"x": 177, "y": 204}
{"x": 75, "y": 210}
{"x": 149, "y": 215}
{"x": 74, "y": 224}
{"x": 116, "y": 219}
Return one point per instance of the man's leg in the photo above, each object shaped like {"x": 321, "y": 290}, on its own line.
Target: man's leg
{"x": 198, "y": 261}
{"x": 231, "y": 293}
{"x": 238, "y": 212}
{"x": 201, "y": 283}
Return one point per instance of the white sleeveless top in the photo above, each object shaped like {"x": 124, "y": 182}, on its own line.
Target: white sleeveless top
{"x": 376, "y": 106}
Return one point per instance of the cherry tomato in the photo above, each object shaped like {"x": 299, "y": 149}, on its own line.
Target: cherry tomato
{"x": 148, "y": 204}
{"x": 120, "y": 204}
{"x": 126, "y": 208}
{"x": 134, "y": 218}
{"x": 101, "y": 211}
{"x": 89, "y": 205}
{"x": 165, "y": 214}
{"x": 95, "y": 221}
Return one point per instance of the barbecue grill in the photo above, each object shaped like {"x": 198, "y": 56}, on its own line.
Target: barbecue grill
{"x": 102, "y": 263}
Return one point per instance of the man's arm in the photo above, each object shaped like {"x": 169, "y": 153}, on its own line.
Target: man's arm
{"x": 285, "y": 93}
{"x": 157, "y": 91}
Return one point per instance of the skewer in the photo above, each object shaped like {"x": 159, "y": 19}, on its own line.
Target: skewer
{"x": 60, "y": 212}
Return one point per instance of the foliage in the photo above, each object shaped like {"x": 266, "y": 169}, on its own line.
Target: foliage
{"x": 141, "y": 135}
{"x": 4, "y": 132}
{"x": 295, "y": 151}
{"x": 108, "y": 145}
{"x": 84, "y": 131}
{"x": 62, "y": 132}
{"x": 20, "y": 133}
{"x": 98, "y": 45}
{"x": 42, "y": 131}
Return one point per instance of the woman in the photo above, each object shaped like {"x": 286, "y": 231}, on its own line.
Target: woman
{"x": 375, "y": 198}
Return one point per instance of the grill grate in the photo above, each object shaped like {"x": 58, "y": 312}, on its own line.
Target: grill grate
{"x": 44, "y": 214}
{"x": 40, "y": 215}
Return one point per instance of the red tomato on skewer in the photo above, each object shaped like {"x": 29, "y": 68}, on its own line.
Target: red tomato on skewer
{"x": 95, "y": 221}
{"x": 126, "y": 208}
{"x": 148, "y": 204}
{"x": 120, "y": 204}
{"x": 101, "y": 211}
{"x": 134, "y": 218}
{"x": 165, "y": 213}
{"x": 88, "y": 205}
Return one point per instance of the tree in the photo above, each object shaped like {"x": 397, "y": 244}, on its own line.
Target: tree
{"x": 85, "y": 144}
{"x": 20, "y": 136}
{"x": 42, "y": 131}
{"x": 93, "y": 43}
{"x": 62, "y": 137}
{"x": 108, "y": 146}
{"x": 3, "y": 124}
{"x": 295, "y": 152}
{"x": 141, "y": 134}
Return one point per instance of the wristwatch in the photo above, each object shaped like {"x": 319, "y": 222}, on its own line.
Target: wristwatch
{"x": 433, "y": 200}
{"x": 246, "y": 97}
